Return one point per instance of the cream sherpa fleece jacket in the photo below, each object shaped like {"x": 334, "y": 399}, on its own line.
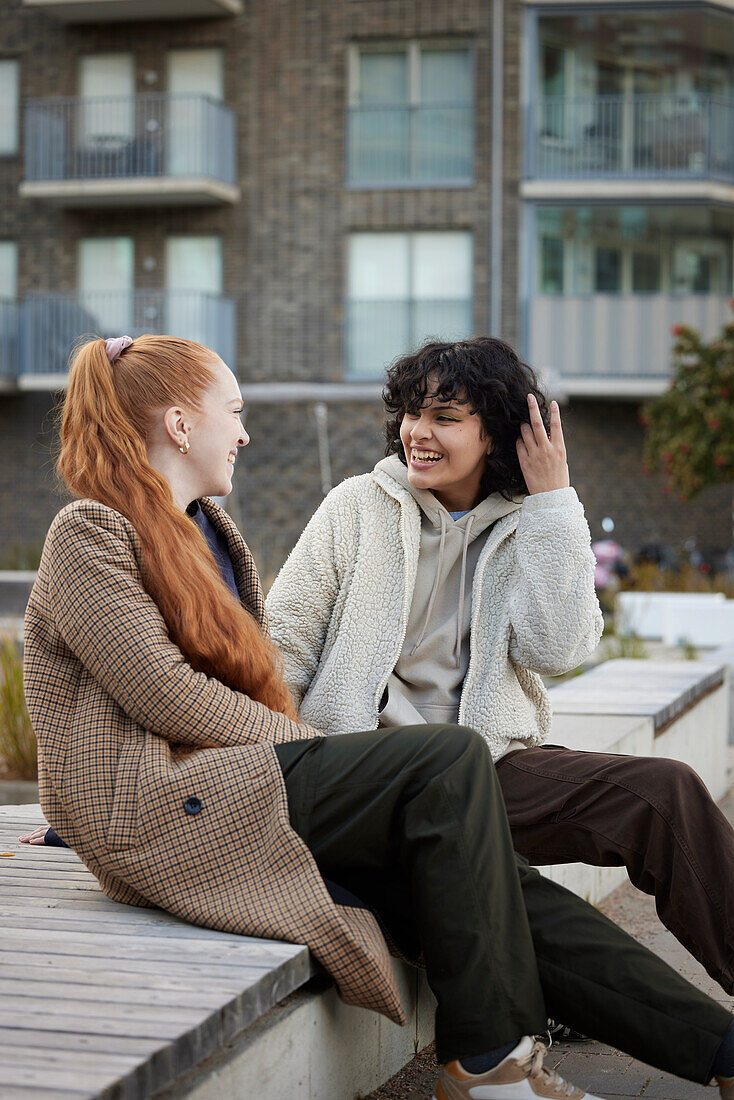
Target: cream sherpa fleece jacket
{"x": 338, "y": 609}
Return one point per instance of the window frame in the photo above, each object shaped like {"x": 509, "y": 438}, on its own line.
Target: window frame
{"x": 6, "y": 154}
{"x": 413, "y": 48}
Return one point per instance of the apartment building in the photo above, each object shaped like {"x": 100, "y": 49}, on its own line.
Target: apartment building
{"x": 311, "y": 187}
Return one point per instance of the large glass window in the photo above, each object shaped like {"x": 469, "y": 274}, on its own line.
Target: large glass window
{"x": 410, "y": 117}
{"x": 105, "y": 277}
{"x": 9, "y": 74}
{"x": 403, "y": 289}
{"x": 8, "y": 270}
{"x": 634, "y": 250}
{"x": 193, "y": 284}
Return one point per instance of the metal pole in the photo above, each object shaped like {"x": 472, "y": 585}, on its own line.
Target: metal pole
{"x": 321, "y": 413}
{"x": 495, "y": 260}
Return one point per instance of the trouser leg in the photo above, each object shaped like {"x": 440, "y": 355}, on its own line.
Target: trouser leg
{"x": 654, "y": 816}
{"x": 600, "y": 980}
{"x": 422, "y": 805}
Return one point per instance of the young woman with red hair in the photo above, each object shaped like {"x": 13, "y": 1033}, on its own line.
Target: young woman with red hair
{"x": 171, "y": 760}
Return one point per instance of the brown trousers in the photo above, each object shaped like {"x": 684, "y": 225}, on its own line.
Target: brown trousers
{"x": 653, "y": 816}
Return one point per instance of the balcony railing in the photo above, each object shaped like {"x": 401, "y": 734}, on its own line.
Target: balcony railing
{"x": 616, "y": 336}
{"x": 9, "y": 338}
{"x": 119, "y": 11}
{"x": 124, "y": 140}
{"x": 418, "y": 146}
{"x": 377, "y": 331}
{"x": 52, "y": 324}
{"x": 652, "y": 137}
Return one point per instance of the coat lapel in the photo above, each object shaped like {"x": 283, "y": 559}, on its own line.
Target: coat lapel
{"x": 245, "y": 573}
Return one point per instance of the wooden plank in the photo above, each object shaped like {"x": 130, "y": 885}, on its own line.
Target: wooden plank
{"x": 18, "y": 1092}
{"x": 65, "y": 1059}
{"x": 41, "y": 1078}
{"x": 143, "y": 979}
{"x": 42, "y": 920}
{"x": 33, "y": 1038}
{"x": 14, "y": 1015}
{"x": 58, "y": 1008}
{"x": 88, "y": 993}
{"x": 147, "y": 946}
{"x": 35, "y": 885}
{"x": 130, "y": 969}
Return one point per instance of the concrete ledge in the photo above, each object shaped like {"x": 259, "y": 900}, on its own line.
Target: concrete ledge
{"x": 133, "y": 191}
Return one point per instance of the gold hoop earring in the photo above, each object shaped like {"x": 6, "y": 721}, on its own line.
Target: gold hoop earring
{"x": 184, "y": 447}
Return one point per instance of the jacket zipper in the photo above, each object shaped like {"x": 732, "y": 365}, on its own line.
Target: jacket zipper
{"x": 475, "y": 612}
{"x": 406, "y": 615}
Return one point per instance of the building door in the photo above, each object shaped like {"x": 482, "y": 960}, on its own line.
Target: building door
{"x": 193, "y": 286}
{"x": 107, "y": 109}
{"x": 105, "y": 280}
{"x": 195, "y": 78}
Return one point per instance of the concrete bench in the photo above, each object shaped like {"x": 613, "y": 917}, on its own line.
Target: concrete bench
{"x": 104, "y": 1000}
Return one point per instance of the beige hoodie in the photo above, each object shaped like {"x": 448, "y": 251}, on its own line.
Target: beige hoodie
{"x": 428, "y": 677}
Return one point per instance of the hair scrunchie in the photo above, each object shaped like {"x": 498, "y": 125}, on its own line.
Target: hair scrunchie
{"x": 116, "y": 346}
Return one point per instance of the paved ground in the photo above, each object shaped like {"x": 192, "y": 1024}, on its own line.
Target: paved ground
{"x": 603, "y": 1071}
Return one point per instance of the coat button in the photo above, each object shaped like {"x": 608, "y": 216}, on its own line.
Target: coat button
{"x": 192, "y": 805}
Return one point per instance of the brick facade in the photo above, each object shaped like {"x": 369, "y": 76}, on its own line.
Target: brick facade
{"x": 284, "y": 248}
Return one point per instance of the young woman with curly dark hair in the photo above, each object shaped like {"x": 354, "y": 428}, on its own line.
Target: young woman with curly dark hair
{"x": 441, "y": 586}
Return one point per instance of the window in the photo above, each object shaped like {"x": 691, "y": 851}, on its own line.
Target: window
{"x": 404, "y": 288}
{"x": 8, "y": 270}
{"x": 107, "y": 89}
{"x": 193, "y": 137}
{"x": 411, "y": 116}
{"x": 193, "y": 285}
{"x": 9, "y": 74}
{"x": 551, "y": 265}
{"x": 105, "y": 278}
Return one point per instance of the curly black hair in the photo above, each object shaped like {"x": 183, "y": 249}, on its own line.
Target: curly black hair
{"x": 484, "y": 373}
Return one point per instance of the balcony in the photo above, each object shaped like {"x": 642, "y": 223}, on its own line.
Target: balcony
{"x": 36, "y": 343}
{"x": 377, "y": 331}
{"x": 9, "y": 342}
{"x": 124, "y": 11}
{"x": 146, "y": 150}
{"x": 615, "y": 345}
{"x": 635, "y": 146}
{"x": 400, "y": 146}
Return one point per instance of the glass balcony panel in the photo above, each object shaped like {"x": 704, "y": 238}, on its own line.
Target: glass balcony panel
{"x": 415, "y": 145}
{"x": 379, "y": 144}
{"x": 616, "y": 336}
{"x": 9, "y": 339}
{"x": 380, "y": 331}
{"x": 444, "y": 143}
{"x": 124, "y": 138}
{"x": 377, "y": 332}
{"x": 658, "y": 137}
{"x": 52, "y": 325}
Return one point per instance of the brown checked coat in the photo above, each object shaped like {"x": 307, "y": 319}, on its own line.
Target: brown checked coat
{"x": 163, "y": 780}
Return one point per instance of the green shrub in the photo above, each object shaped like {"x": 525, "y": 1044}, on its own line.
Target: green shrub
{"x": 18, "y": 748}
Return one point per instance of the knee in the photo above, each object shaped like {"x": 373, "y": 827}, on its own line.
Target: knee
{"x": 673, "y": 782}
{"x": 460, "y": 744}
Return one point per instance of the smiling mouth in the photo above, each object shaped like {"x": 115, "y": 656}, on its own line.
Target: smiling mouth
{"x": 424, "y": 458}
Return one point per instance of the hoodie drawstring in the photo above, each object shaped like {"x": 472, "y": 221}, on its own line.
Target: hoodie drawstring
{"x": 436, "y": 584}
{"x": 462, "y": 585}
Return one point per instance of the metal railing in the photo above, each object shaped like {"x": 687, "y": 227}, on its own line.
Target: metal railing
{"x": 616, "y": 335}
{"x": 377, "y": 331}
{"x": 389, "y": 145}
{"x": 9, "y": 337}
{"x": 657, "y": 137}
{"x": 129, "y": 137}
{"x": 52, "y": 324}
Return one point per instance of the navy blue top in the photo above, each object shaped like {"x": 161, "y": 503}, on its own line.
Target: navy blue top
{"x": 217, "y": 543}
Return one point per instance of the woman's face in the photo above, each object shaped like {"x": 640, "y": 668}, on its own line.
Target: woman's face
{"x": 216, "y": 434}
{"x": 446, "y": 451}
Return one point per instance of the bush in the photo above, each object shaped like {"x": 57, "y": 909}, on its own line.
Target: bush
{"x": 18, "y": 747}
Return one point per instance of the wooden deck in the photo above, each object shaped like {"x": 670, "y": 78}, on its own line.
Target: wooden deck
{"x": 99, "y": 999}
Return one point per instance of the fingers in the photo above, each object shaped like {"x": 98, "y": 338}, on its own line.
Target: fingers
{"x": 556, "y": 431}
{"x": 536, "y": 421}
{"x": 36, "y": 837}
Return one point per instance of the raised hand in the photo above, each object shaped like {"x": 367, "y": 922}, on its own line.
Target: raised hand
{"x": 542, "y": 457}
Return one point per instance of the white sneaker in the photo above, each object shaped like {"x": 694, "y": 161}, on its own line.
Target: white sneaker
{"x": 519, "y": 1076}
